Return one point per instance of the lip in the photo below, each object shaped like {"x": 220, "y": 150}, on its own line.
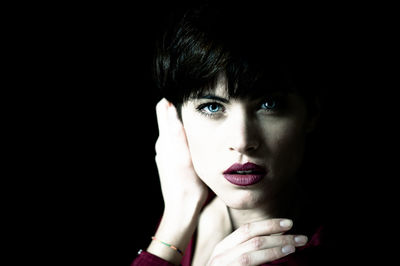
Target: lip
{"x": 244, "y": 179}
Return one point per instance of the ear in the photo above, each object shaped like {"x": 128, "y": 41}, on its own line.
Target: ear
{"x": 314, "y": 114}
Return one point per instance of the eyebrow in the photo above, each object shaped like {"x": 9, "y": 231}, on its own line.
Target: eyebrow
{"x": 214, "y": 97}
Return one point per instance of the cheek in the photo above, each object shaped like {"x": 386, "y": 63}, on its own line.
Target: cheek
{"x": 286, "y": 147}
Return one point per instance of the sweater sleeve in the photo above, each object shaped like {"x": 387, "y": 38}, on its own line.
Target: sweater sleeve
{"x": 147, "y": 259}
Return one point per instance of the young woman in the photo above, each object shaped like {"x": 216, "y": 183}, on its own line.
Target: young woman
{"x": 241, "y": 98}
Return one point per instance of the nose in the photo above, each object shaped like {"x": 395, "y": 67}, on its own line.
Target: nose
{"x": 243, "y": 133}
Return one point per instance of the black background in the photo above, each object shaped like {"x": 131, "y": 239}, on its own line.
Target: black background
{"x": 96, "y": 196}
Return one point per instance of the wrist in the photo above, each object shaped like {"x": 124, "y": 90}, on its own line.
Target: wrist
{"x": 176, "y": 228}
{"x": 183, "y": 212}
{"x": 179, "y": 223}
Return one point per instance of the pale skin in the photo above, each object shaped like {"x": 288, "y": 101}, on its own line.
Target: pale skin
{"x": 217, "y": 131}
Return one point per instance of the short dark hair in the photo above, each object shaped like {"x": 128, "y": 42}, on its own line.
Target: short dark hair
{"x": 255, "y": 52}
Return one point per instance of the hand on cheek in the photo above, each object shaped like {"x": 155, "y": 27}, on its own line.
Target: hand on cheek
{"x": 179, "y": 181}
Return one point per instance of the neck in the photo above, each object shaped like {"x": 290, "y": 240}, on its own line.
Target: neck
{"x": 284, "y": 205}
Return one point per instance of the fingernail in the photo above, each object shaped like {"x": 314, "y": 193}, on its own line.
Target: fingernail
{"x": 286, "y": 223}
{"x": 300, "y": 239}
{"x": 288, "y": 249}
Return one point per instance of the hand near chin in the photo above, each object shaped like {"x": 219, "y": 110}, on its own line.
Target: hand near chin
{"x": 256, "y": 243}
{"x": 181, "y": 187}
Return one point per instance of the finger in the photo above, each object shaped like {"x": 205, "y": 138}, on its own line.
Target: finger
{"x": 172, "y": 135}
{"x": 251, "y": 230}
{"x": 263, "y": 256}
{"x": 173, "y": 120}
{"x": 167, "y": 118}
{"x": 268, "y": 242}
{"x": 265, "y": 242}
{"x": 162, "y": 111}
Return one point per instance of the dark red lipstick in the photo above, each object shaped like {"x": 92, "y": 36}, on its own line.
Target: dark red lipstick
{"x": 244, "y": 174}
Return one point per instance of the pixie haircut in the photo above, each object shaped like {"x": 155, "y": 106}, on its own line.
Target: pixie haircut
{"x": 257, "y": 51}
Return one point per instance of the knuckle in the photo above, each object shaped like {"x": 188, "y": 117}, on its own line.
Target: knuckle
{"x": 289, "y": 240}
{"x": 244, "y": 259}
{"x": 270, "y": 224}
{"x": 157, "y": 146}
{"x": 245, "y": 230}
{"x": 273, "y": 225}
{"x": 275, "y": 253}
{"x": 257, "y": 242}
{"x": 281, "y": 240}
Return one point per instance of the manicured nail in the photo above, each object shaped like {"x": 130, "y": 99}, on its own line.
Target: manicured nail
{"x": 300, "y": 239}
{"x": 288, "y": 249}
{"x": 286, "y": 223}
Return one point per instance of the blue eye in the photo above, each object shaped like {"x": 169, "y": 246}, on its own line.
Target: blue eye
{"x": 213, "y": 107}
{"x": 269, "y": 105}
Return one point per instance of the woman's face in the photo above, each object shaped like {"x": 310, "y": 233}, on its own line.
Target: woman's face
{"x": 268, "y": 132}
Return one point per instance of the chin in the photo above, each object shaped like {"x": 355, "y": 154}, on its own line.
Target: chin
{"x": 244, "y": 199}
